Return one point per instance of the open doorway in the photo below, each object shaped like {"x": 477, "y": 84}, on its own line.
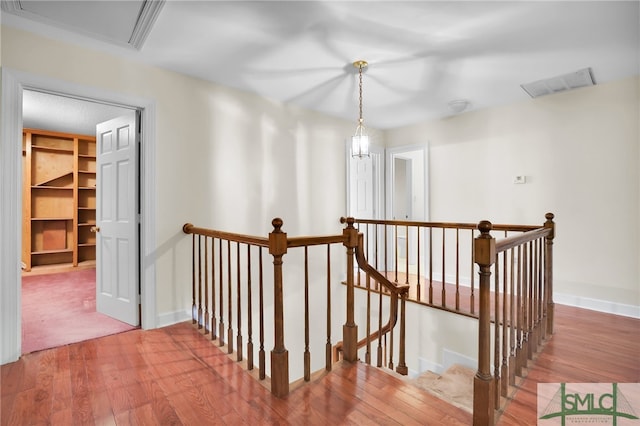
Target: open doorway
{"x": 14, "y": 82}
{"x": 59, "y": 220}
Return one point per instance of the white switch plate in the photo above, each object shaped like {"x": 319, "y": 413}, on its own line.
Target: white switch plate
{"x": 520, "y": 179}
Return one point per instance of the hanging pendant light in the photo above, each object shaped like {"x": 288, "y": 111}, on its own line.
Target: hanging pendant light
{"x": 360, "y": 140}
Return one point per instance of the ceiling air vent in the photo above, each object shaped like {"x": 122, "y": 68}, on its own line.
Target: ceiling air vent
{"x": 561, "y": 83}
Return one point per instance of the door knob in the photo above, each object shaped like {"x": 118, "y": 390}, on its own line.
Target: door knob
{"x": 95, "y": 229}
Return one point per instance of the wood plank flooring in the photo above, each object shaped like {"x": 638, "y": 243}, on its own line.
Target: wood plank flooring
{"x": 176, "y": 376}
{"x": 587, "y": 347}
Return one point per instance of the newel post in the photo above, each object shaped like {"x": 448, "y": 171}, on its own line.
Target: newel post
{"x": 548, "y": 271}
{"x": 483, "y": 393}
{"x": 350, "y": 329}
{"x": 279, "y": 354}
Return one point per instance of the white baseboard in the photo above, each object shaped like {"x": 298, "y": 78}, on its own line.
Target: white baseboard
{"x": 171, "y": 318}
{"x": 597, "y": 305}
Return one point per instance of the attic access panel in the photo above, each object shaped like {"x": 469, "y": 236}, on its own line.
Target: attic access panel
{"x": 124, "y": 23}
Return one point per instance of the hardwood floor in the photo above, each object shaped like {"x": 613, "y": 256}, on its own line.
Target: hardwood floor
{"x": 176, "y": 376}
{"x": 587, "y": 347}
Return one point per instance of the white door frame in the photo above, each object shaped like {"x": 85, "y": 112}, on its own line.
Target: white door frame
{"x": 13, "y": 84}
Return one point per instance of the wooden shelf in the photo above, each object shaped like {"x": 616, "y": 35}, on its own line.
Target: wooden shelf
{"x": 43, "y": 252}
{"x": 59, "y": 198}
{"x": 53, "y": 149}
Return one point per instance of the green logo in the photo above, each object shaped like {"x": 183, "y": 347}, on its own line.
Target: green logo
{"x": 588, "y": 403}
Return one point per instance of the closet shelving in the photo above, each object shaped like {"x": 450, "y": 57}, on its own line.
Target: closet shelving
{"x": 59, "y": 198}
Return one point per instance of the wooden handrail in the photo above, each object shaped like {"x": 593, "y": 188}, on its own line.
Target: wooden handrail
{"x": 188, "y": 228}
{"x": 396, "y": 291}
{"x": 517, "y": 240}
{"x": 522, "y": 309}
{"x": 230, "y": 284}
{"x": 446, "y": 225}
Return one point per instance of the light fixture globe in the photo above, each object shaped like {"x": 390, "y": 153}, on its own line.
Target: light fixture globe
{"x": 360, "y": 139}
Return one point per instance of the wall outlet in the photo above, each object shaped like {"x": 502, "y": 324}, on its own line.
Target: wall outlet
{"x": 520, "y": 179}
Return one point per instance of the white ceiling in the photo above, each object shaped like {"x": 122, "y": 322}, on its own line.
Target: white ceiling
{"x": 422, "y": 54}
{"x": 63, "y": 114}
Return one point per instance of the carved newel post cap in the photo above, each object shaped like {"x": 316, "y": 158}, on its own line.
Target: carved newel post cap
{"x": 549, "y": 216}
{"x": 277, "y": 224}
{"x": 484, "y": 227}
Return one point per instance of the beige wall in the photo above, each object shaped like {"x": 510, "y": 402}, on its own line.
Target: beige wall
{"x": 580, "y": 154}
{"x": 225, "y": 158}
{"x": 231, "y": 160}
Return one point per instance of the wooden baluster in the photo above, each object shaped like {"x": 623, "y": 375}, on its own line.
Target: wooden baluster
{"x": 395, "y": 250}
{"x": 194, "y": 308}
{"x": 527, "y": 303}
{"x": 483, "y": 394}
{"x": 457, "y": 269}
{"x": 239, "y": 354}
{"x": 402, "y": 366}
{"x": 328, "y": 358}
{"x": 512, "y": 322}
{"x": 214, "y": 325}
{"x": 529, "y": 307}
{"x": 206, "y": 286}
{"x": 548, "y": 272}
{"x": 538, "y": 296}
{"x": 520, "y": 300}
{"x": 350, "y": 329}
{"x": 430, "y": 265}
{"x": 386, "y": 264}
{"x": 543, "y": 294}
{"x": 261, "y": 354}
{"x": 540, "y": 326}
{"x": 406, "y": 254}
{"x": 358, "y": 278}
{"x": 533, "y": 339}
{"x": 199, "y": 281}
{"x": 394, "y": 300}
{"x": 249, "y": 312}
{"x": 367, "y": 355}
{"x": 496, "y": 334}
{"x": 472, "y": 297}
{"x": 229, "y": 301}
{"x": 444, "y": 279}
{"x": 279, "y": 353}
{"x": 504, "y": 373}
{"x": 221, "y": 294}
{"x": 419, "y": 283}
{"x": 307, "y": 354}
{"x": 379, "y": 349}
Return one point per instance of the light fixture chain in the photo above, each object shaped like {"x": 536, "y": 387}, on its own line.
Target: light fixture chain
{"x": 360, "y": 74}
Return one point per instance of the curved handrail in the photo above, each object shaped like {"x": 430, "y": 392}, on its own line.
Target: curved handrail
{"x": 397, "y": 290}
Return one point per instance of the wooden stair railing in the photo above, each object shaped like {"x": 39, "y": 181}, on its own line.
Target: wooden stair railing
{"x": 225, "y": 280}
{"x": 385, "y": 288}
{"x": 434, "y": 258}
{"x": 521, "y": 309}
{"x": 517, "y": 310}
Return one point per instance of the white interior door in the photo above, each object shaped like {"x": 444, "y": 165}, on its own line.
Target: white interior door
{"x": 117, "y": 289}
{"x": 361, "y": 188}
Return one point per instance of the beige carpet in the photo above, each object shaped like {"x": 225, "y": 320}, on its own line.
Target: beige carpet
{"x": 454, "y": 386}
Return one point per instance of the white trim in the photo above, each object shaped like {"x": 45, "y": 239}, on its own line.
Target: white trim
{"x": 171, "y": 318}
{"x": 597, "y": 305}
{"x": 389, "y": 169}
{"x": 13, "y": 83}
